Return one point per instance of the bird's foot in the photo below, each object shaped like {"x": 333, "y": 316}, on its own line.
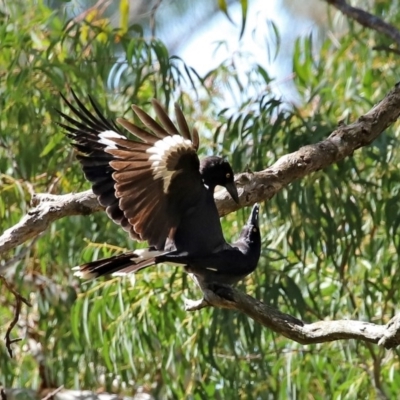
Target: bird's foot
{"x": 222, "y": 290}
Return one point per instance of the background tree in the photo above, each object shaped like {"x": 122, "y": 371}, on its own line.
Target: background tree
{"x": 330, "y": 241}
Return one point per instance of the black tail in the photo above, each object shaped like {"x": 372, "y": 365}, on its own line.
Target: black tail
{"x": 122, "y": 264}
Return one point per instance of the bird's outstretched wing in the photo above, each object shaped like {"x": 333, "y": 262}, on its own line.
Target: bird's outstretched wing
{"x": 145, "y": 184}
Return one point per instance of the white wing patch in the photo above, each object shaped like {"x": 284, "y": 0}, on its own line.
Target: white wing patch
{"x": 106, "y": 139}
{"x": 83, "y": 274}
{"x": 160, "y": 152}
{"x": 145, "y": 254}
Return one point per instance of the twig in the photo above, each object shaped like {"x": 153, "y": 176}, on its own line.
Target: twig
{"x": 19, "y": 300}
{"x": 51, "y": 394}
{"x": 252, "y": 187}
{"x": 100, "y": 7}
{"x": 153, "y": 13}
{"x": 366, "y": 19}
{"x": 222, "y": 296}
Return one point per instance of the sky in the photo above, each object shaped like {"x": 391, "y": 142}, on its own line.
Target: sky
{"x": 197, "y": 52}
{"x": 259, "y": 42}
{"x": 200, "y": 53}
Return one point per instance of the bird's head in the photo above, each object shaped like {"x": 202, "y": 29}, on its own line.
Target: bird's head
{"x": 217, "y": 171}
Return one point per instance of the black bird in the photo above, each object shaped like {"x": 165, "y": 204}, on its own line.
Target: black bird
{"x": 228, "y": 265}
{"x": 155, "y": 188}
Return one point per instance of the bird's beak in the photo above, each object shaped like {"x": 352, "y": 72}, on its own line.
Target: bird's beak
{"x": 232, "y": 190}
{"x": 253, "y": 219}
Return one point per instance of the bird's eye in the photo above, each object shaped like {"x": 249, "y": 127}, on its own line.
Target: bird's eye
{"x": 254, "y": 229}
{"x": 228, "y": 175}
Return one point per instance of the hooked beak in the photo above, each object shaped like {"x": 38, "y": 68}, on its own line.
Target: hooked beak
{"x": 253, "y": 219}
{"x": 232, "y": 190}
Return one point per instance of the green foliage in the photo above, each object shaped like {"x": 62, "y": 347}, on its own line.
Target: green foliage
{"x": 223, "y": 6}
{"x": 331, "y": 242}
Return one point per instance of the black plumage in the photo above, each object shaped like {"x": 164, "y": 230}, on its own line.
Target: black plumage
{"x": 155, "y": 187}
{"x": 227, "y": 265}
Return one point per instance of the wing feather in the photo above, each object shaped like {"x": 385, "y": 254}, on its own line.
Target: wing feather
{"x": 156, "y": 128}
{"x": 137, "y": 131}
{"x": 164, "y": 118}
{"x": 132, "y": 178}
{"x": 183, "y": 126}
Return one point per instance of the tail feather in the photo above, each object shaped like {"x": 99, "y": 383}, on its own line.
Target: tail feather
{"x": 121, "y": 264}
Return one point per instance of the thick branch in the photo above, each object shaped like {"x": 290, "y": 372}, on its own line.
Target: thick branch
{"x": 293, "y": 328}
{"x": 263, "y": 185}
{"x": 366, "y": 19}
{"x": 252, "y": 187}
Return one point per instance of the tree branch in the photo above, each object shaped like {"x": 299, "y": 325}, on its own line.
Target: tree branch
{"x": 366, "y": 19}
{"x": 49, "y": 208}
{"x": 263, "y": 185}
{"x": 224, "y": 296}
{"x": 252, "y": 187}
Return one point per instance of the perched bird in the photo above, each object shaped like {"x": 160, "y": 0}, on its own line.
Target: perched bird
{"x": 228, "y": 265}
{"x": 157, "y": 189}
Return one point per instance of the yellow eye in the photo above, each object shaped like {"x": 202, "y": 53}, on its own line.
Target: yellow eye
{"x": 228, "y": 175}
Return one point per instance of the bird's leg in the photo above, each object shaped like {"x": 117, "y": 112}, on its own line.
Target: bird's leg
{"x": 210, "y": 290}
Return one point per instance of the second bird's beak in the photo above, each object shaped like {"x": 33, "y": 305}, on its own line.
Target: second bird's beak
{"x": 232, "y": 190}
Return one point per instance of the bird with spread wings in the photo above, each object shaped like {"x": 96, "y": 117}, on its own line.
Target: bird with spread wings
{"x": 159, "y": 191}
